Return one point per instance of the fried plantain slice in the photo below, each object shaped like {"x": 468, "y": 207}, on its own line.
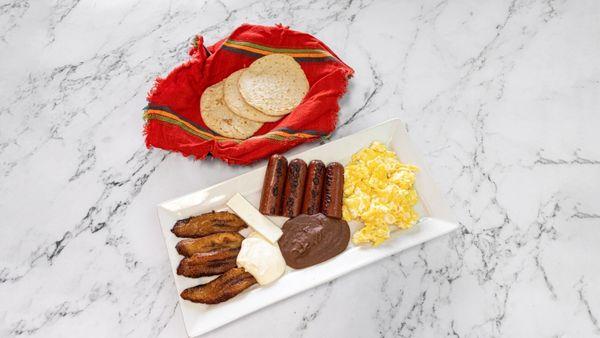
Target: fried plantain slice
{"x": 208, "y": 224}
{"x": 208, "y": 263}
{"x": 220, "y": 289}
{"x": 223, "y": 240}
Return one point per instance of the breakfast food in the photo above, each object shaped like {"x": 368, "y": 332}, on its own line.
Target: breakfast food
{"x": 274, "y": 84}
{"x": 208, "y": 263}
{"x": 212, "y": 248}
{"x": 311, "y": 203}
{"x": 271, "y": 87}
{"x": 207, "y": 224}
{"x": 237, "y": 104}
{"x": 307, "y": 190}
{"x": 220, "y": 119}
{"x": 375, "y": 188}
{"x": 294, "y": 188}
{"x": 254, "y": 218}
{"x": 228, "y": 240}
{"x": 379, "y": 191}
{"x": 220, "y": 289}
{"x": 311, "y": 239}
{"x": 261, "y": 259}
{"x": 273, "y": 185}
{"x": 333, "y": 190}
{"x": 172, "y": 120}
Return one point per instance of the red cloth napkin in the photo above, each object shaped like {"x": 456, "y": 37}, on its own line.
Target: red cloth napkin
{"x": 173, "y": 120}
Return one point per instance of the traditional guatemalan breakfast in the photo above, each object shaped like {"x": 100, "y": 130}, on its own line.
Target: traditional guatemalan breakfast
{"x": 317, "y": 199}
{"x": 254, "y": 95}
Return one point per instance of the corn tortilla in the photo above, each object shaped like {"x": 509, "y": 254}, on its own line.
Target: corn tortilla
{"x": 237, "y": 104}
{"x": 217, "y": 116}
{"x": 274, "y": 84}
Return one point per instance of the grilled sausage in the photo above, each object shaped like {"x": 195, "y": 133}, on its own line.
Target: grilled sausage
{"x": 208, "y": 263}
{"x": 272, "y": 192}
{"x": 333, "y": 190}
{"x": 294, "y": 188}
{"x": 220, "y": 289}
{"x": 207, "y": 224}
{"x": 223, "y": 240}
{"x": 311, "y": 203}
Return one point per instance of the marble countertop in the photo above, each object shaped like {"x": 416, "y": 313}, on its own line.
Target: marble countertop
{"x": 501, "y": 97}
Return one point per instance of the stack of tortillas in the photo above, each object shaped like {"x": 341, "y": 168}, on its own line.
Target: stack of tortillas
{"x": 270, "y": 88}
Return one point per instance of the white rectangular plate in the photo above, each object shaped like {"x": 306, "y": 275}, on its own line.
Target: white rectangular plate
{"x": 436, "y": 221}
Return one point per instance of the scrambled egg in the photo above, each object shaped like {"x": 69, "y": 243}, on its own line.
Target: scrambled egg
{"x": 378, "y": 191}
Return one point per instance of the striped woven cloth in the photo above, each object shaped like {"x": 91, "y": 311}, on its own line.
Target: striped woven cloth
{"x": 173, "y": 120}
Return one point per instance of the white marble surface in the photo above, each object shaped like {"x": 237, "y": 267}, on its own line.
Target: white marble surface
{"x": 501, "y": 97}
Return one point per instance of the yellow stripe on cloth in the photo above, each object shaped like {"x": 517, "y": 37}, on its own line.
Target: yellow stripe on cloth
{"x": 167, "y": 117}
{"x": 265, "y": 50}
{"x": 174, "y": 119}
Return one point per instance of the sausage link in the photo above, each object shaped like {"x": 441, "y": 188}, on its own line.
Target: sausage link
{"x": 333, "y": 190}
{"x": 311, "y": 203}
{"x": 294, "y": 188}
{"x": 272, "y": 191}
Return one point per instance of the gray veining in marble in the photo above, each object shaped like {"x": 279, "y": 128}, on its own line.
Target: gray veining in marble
{"x": 502, "y": 98}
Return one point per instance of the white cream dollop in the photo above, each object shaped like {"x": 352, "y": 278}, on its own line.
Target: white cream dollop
{"x": 261, "y": 259}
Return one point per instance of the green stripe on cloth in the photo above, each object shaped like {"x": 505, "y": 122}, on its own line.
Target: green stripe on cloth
{"x": 279, "y": 50}
{"x": 179, "y": 124}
